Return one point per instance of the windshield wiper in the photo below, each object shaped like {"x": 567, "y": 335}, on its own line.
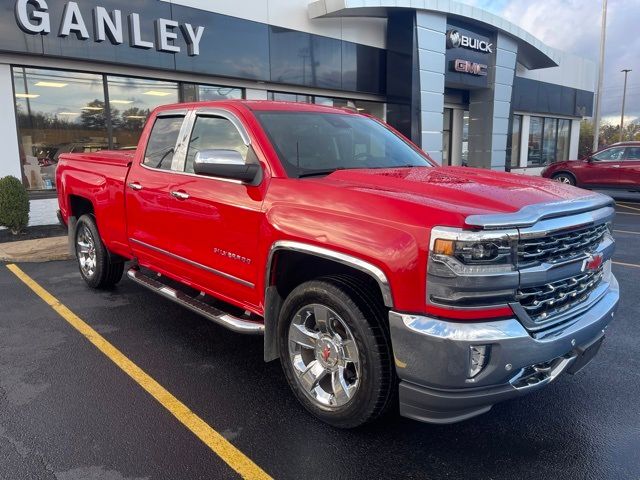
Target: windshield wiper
{"x": 317, "y": 173}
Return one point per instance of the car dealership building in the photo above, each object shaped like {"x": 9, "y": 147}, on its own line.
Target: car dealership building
{"x": 467, "y": 86}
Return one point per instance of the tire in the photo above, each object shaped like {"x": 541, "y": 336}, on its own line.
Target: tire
{"x": 99, "y": 269}
{"x": 565, "y": 178}
{"x": 341, "y": 369}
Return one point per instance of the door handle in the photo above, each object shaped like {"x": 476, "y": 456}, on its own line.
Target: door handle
{"x": 615, "y": 166}
{"x": 135, "y": 186}
{"x": 180, "y": 195}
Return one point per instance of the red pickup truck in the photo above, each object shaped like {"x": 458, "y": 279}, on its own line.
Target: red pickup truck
{"x": 373, "y": 273}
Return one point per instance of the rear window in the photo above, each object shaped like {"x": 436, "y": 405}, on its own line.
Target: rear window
{"x": 162, "y": 142}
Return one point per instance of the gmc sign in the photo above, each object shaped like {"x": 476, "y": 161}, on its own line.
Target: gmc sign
{"x": 465, "y": 66}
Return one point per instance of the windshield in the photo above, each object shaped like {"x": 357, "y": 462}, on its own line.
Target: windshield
{"x": 312, "y": 143}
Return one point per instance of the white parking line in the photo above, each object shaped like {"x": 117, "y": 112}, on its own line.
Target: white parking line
{"x": 627, "y": 231}
{"x": 627, "y": 206}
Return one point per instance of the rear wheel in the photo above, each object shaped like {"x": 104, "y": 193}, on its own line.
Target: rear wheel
{"x": 97, "y": 267}
{"x": 335, "y": 351}
{"x": 565, "y": 178}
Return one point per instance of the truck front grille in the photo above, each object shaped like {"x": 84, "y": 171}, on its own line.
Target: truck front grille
{"x": 546, "y": 301}
{"x": 560, "y": 246}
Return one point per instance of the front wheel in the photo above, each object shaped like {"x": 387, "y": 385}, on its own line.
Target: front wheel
{"x": 565, "y": 178}
{"x": 335, "y": 351}
{"x": 97, "y": 267}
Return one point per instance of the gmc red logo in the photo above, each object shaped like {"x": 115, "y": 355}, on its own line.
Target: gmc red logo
{"x": 465, "y": 66}
{"x": 593, "y": 262}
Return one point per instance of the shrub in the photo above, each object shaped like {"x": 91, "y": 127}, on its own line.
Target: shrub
{"x": 14, "y": 204}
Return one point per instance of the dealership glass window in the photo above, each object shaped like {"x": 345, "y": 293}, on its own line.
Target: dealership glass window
{"x": 564, "y": 139}
{"x": 549, "y": 140}
{"x": 131, "y": 101}
{"x": 534, "y": 157}
{"x": 217, "y": 92}
{"x": 465, "y": 137}
{"x": 516, "y": 135}
{"x": 289, "y": 97}
{"x": 446, "y": 136}
{"x": 57, "y": 112}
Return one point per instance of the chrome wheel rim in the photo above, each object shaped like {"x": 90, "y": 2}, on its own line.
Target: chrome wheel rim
{"x": 86, "y": 251}
{"x": 324, "y": 356}
{"x": 563, "y": 179}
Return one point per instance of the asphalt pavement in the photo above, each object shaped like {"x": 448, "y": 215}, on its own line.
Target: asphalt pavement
{"x": 68, "y": 412}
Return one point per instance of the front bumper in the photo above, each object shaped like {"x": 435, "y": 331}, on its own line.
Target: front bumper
{"x": 432, "y": 358}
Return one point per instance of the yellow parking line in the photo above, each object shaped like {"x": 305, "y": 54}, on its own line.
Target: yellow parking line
{"x": 626, "y": 264}
{"x": 627, "y": 206}
{"x": 627, "y": 231}
{"x": 237, "y": 460}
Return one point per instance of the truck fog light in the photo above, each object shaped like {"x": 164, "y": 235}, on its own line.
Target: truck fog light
{"x": 478, "y": 358}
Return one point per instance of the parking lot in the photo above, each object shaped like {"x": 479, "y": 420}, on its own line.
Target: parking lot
{"x": 73, "y": 409}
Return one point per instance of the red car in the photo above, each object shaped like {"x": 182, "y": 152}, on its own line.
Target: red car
{"x": 615, "y": 166}
{"x": 372, "y": 273}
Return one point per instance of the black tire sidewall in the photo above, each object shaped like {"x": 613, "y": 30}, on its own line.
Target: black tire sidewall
{"x": 102, "y": 257}
{"x": 362, "y": 405}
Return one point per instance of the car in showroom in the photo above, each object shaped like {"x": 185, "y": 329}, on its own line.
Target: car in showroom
{"x": 615, "y": 166}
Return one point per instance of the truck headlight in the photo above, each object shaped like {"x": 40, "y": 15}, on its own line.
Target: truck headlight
{"x": 480, "y": 252}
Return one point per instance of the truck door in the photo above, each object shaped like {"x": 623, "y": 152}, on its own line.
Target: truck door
{"x": 151, "y": 208}
{"x": 216, "y": 221}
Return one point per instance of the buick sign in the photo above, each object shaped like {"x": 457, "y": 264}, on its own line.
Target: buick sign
{"x": 33, "y": 18}
{"x": 455, "y": 39}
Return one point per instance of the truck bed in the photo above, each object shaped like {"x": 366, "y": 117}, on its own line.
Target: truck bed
{"x": 99, "y": 176}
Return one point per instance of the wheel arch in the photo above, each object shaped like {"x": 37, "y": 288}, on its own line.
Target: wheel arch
{"x": 565, "y": 172}
{"x": 312, "y": 261}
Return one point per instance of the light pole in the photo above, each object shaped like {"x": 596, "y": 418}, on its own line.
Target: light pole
{"x": 603, "y": 36}
{"x": 624, "y": 97}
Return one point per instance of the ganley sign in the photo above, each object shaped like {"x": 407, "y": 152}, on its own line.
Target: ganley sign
{"x": 455, "y": 39}
{"x": 33, "y": 17}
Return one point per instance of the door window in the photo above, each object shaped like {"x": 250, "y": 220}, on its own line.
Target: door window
{"x": 633, "y": 153}
{"x": 611, "y": 154}
{"x": 162, "y": 142}
{"x": 214, "y": 133}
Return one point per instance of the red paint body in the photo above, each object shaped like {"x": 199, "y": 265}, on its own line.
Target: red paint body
{"x": 382, "y": 216}
{"x": 621, "y": 171}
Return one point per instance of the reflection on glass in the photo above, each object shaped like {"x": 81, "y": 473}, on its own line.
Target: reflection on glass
{"x": 57, "y": 112}
{"x": 446, "y": 136}
{"x": 377, "y": 109}
{"x": 516, "y": 133}
{"x": 465, "y": 137}
{"x": 213, "y": 92}
{"x": 564, "y": 138}
{"x": 534, "y": 157}
{"x": 131, "y": 101}
{"x": 549, "y": 140}
{"x": 289, "y": 97}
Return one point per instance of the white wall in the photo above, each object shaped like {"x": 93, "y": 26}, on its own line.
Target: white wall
{"x": 572, "y": 71}
{"x": 10, "y": 157}
{"x": 294, "y": 14}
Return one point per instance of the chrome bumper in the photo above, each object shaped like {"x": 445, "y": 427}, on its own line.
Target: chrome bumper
{"x": 432, "y": 358}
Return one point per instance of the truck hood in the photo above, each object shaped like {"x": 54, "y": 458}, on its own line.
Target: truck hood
{"x": 463, "y": 190}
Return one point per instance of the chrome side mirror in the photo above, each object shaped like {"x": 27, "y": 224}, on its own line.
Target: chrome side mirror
{"x": 226, "y": 164}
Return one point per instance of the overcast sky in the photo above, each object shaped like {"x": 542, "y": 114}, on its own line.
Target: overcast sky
{"x": 574, "y": 26}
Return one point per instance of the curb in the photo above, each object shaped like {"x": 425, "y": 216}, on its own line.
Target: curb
{"x": 38, "y": 250}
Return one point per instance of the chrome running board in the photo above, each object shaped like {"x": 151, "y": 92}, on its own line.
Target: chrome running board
{"x": 236, "y": 324}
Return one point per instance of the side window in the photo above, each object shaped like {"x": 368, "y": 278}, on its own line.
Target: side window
{"x": 162, "y": 142}
{"x": 214, "y": 133}
{"x": 633, "y": 153}
{"x": 610, "y": 154}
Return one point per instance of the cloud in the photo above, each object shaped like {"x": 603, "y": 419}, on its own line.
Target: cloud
{"x": 574, "y": 26}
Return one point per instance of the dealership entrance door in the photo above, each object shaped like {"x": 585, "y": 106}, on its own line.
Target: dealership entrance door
{"x": 455, "y": 135}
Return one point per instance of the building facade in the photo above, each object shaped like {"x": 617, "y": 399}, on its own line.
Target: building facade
{"x": 468, "y": 87}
